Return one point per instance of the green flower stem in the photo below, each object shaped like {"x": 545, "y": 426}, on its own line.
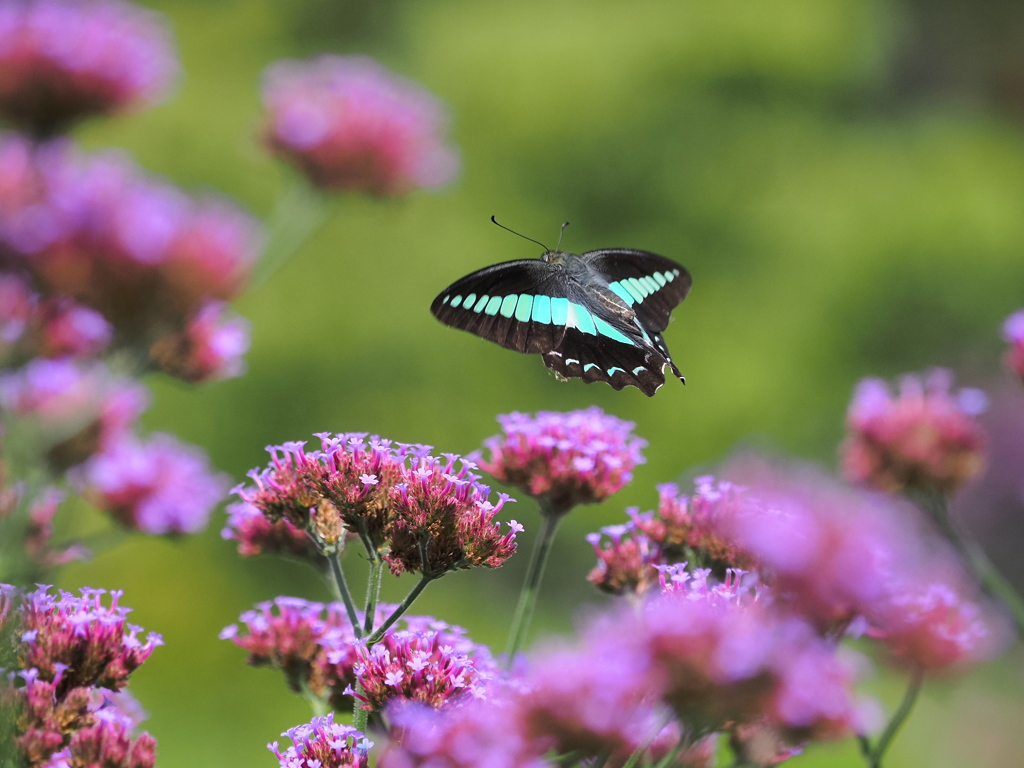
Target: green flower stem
{"x": 342, "y": 591}
{"x": 873, "y": 757}
{"x": 531, "y": 586}
{"x": 372, "y": 593}
{"x": 317, "y": 703}
{"x": 360, "y": 716}
{"x": 378, "y": 634}
{"x": 993, "y": 582}
{"x": 298, "y": 213}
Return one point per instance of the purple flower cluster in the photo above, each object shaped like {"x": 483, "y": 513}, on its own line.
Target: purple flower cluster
{"x": 421, "y": 659}
{"x": 63, "y": 60}
{"x": 424, "y": 513}
{"x": 323, "y": 743}
{"x": 684, "y": 528}
{"x": 149, "y": 259}
{"x": 1013, "y": 332}
{"x": 350, "y": 125}
{"x": 75, "y": 655}
{"x": 564, "y": 459}
{"x": 927, "y": 437}
{"x": 255, "y": 534}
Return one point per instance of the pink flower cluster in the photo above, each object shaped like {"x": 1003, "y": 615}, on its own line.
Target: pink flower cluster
{"x": 255, "y": 534}
{"x": 63, "y": 60}
{"x": 323, "y": 743}
{"x": 420, "y": 659}
{"x": 926, "y": 437}
{"x": 75, "y": 655}
{"x": 1013, "y": 332}
{"x": 564, "y": 459}
{"x": 425, "y": 513}
{"x": 350, "y": 125}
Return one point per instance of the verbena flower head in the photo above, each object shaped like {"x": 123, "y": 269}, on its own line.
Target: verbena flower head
{"x": 38, "y": 543}
{"x": 323, "y": 743}
{"x": 687, "y": 527}
{"x": 17, "y": 306}
{"x": 65, "y": 328}
{"x": 158, "y": 487}
{"x": 74, "y": 408}
{"x": 932, "y": 625}
{"x": 132, "y": 247}
{"x": 209, "y": 348}
{"x": 403, "y": 501}
{"x": 827, "y": 552}
{"x": 350, "y": 125}
{"x": 926, "y": 436}
{"x": 592, "y": 699}
{"x": 81, "y": 641}
{"x": 422, "y": 666}
{"x": 255, "y": 534}
{"x": 626, "y": 560}
{"x": 62, "y": 60}
{"x": 110, "y": 741}
{"x": 564, "y": 459}
{"x": 485, "y": 733}
{"x": 1013, "y": 332}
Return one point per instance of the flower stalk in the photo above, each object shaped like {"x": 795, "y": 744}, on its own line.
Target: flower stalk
{"x": 531, "y": 585}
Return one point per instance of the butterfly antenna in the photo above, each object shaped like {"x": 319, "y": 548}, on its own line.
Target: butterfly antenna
{"x": 560, "y": 233}
{"x": 538, "y": 242}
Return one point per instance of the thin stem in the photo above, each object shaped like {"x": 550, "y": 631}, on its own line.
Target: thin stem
{"x": 378, "y": 634}
{"x": 634, "y": 758}
{"x": 372, "y": 594}
{"x": 531, "y": 586}
{"x": 342, "y": 590}
{"x": 992, "y": 582}
{"x": 317, "y": 703}
{"x": 360, "y": 716}
{"x": 897, "y": 720}
{"x": 297, "y": 214}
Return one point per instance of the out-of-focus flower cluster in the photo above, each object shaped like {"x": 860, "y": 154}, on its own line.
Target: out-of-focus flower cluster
{"x": 350, "y": 125}
{"x": 419, "y": 659}
{"x": 64, "y": 60}
{"x": 926, "y": 437}
{"x": 421, "y": 512}
{"x": 564, "y": 459}
{"x": 73, "y": 657}
{"x": 1013, "y": 332}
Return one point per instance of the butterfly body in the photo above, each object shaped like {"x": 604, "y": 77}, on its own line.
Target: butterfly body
{"x": 597, "y": 316}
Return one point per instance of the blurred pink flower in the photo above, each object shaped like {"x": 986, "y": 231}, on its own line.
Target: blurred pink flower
{"x": 1013, "y": 332}
{"x": 63, "y": 60}
{"x": 350, "y": 125}
{"x": 209, "y": 348}
{"x": 926, "y": 436}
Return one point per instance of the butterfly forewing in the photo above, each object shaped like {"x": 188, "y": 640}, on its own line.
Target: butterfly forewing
{"x": 509, "y": 304}
{"x": 652, "y": 285}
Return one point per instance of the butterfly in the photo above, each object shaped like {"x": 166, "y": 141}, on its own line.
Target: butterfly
{"x": 597, "y": 316}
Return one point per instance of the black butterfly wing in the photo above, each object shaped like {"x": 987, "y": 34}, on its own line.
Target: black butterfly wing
{"x": 508, "y": 303}
{"x": 652, "y": 285}
{"x": 598, "y": 358}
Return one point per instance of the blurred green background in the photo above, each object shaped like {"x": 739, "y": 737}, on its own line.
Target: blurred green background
{"x": 844, "y": 179}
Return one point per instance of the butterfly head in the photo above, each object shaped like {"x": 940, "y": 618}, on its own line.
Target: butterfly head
{"x": 555, "y": 257}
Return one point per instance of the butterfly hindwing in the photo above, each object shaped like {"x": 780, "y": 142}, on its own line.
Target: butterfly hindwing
{"x": 508, "y": 303}
{"x": 652, "y": 285}
{"x": 621, "y": 365}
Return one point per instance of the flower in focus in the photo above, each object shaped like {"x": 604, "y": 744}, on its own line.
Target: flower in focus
{"x": 110, "y": 742}
{"x": 255, "y": 534}
{"x": 133, "y": 248}
{"x": 76, "y": 409}
{"x": 63, "y": 60}
{"x": 564, "y": 459}
{"x": 350, "y": 125}
{"x": 401, "y": 500}
{"x": 422, "y": 666}
{"x": 484, "y": 734}
{"x": 1013, "y": 332}
{"x": 209, "y": 348}
{"x": 158, "y": 487}
{"x": 323, "y": 743}
{"x": 626, "y": 560}
{"x": 79, "y": 640}
{"x": 925, "y": 437}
